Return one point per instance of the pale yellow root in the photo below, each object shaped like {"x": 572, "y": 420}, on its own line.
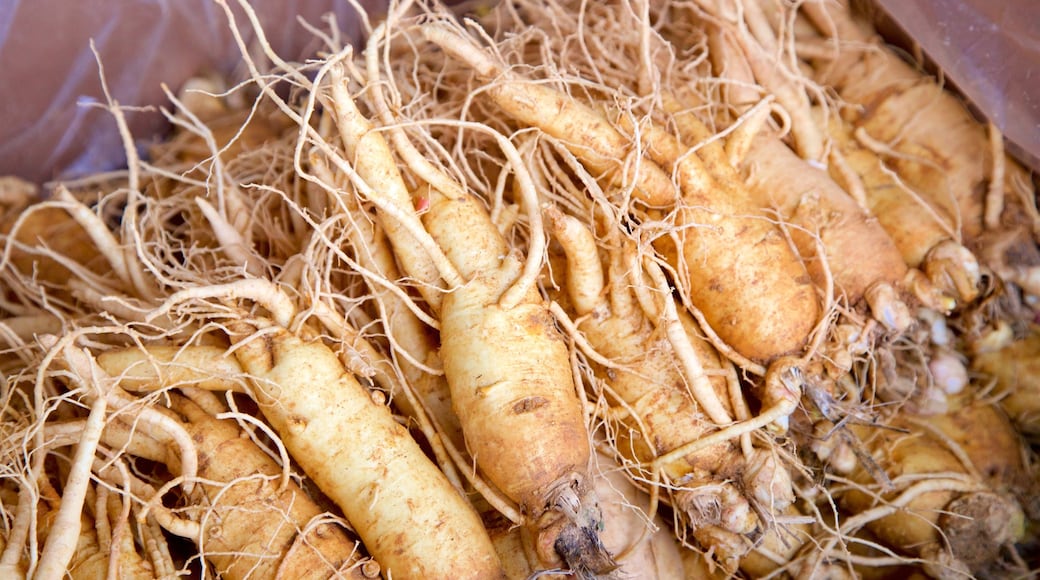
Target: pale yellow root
{"x": 263, "y": 292}
{"x": 374, "y": 161}
{"x": 250, "y": 512}
{"x": 651, "y": 389}
{"x": 585, "y": 132}
{"x": 930, "y": 137}
{"x": 859, "y": 252}
{"x": 354, "y": 450}
{"x": 307, "y": 396}
{"x": 925, "y": 238}
{"x": 521, "y": 384}
{"x": 204, "y": 367}
{"x": 231, "y": 241}
{"x": 127, "y": 269}
{"x": 10, "y": 560}
{"x": 697, "y": 381}
{"x": 716, "y": 218}
{"x": 994, "y": 204}
{"x": 60, "y": 546}
{"x": 92, "y": 559}
{"x": 416, "y": 387}
{"x": 773, "y": 75}
{"x": 62, "y": 543}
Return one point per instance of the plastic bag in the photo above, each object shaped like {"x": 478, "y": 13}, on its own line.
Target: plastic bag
{"x": 991, "y": 52}
{"x": 49, "y": 77}
{"x": 49, "y": 82}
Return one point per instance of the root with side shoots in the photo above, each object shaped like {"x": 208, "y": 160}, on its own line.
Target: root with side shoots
{"x": 949, "y": 273}
{"x": 777, "y": 365}
{"x": 936, "y": 505}
{"x": 929, "y": 136}
{"x": 506, "y": 365}
{"x": 520, "y": 384}
{"x": 325, "y": 400}
{"x": 304, "y": 392}
{"x": 249, "y": 505}
{"x": 732, "y": 224}
{"x": 677, "y": 424}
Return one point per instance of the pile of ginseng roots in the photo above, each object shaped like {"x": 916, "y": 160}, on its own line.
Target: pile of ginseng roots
{"x": 602, "y": 289}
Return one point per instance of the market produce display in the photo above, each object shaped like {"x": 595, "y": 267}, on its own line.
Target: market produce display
{"x": 698, "y": 289}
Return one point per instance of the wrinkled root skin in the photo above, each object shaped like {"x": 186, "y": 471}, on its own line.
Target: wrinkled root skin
{"x": 585, "y": 555}
{"x": 726, "y": 548}
{"x": 567, "y": 533}
{"x": 724, "y": 507}
{"x": 977, "y": 525}
{"x": 953, "y": 269}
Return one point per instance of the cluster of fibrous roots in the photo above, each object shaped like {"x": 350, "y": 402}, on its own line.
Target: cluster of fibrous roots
{"x": 618, "y": 289}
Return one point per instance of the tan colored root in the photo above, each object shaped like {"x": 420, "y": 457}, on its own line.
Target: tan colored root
{"x": 701, "y": 389}
{"x": 953, "y": 230}
{"x": 278, "y": 229}
{"x": 231, "y": 241}
{"x": 61, "y": 545}
{"x": 994, "y": 205}
{"x": 529, "y": 102}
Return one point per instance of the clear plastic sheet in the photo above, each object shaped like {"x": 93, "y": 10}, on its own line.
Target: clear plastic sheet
{"x": 49, "y": 77}
{"x": 990, "y": 49}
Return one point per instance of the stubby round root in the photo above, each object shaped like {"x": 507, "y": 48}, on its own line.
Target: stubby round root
{"x": 833, "y": 449}
{"x": 954, "y": 270}
{"x": 717, "y": 504}
{"x": 845, "y": 344}
{"x": 887, "y": 308}
{"x": 768, "y": 483}
{"x": 569, "y": 531}
{"x": 949, "y": 372}
{"x": 976, "y": 525}
{"x": 926, "y": 292}
{"x": 726, "y": 548}
{"x": 781, "y": 392}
